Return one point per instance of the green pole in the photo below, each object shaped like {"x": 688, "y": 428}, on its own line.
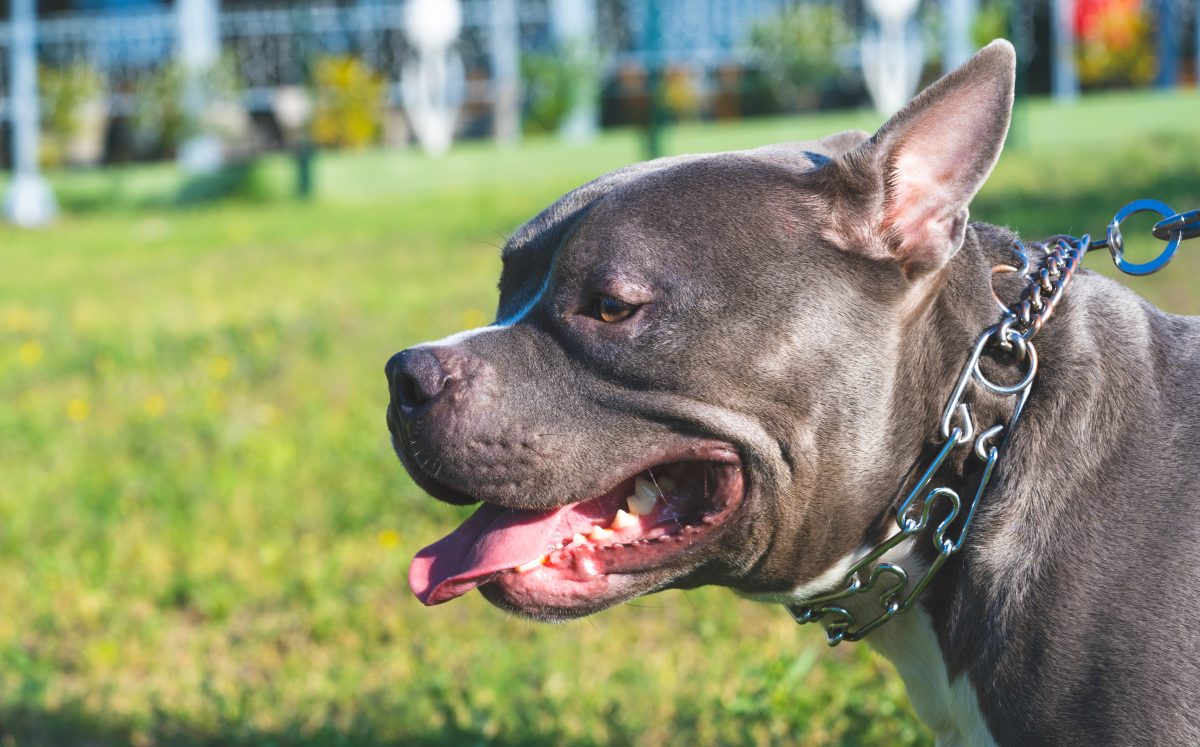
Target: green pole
{"x": 1018, "y": 27}
{"x": 654, "y": 80}
{"x": 304, "y": 148}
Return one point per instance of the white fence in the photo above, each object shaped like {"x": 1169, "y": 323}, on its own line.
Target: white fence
{"x": 270, "y": 45}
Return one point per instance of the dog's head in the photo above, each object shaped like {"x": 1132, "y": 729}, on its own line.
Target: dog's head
{"x": 694, "y": 374}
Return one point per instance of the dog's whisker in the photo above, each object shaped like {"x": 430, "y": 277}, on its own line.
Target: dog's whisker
{"x": 666, "y": 499}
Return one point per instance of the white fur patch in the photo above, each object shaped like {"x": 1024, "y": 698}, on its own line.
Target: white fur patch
{"x": 950, "y": 709}
{"x": 465, "y": 335}
{"x": 458, "y": 337}
{"x": 830, "y": 579}
{"x": 909, "y": 642}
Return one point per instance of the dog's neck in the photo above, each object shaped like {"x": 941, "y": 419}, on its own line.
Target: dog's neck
{"x": 968, "y": 620}
{"x": 928, "y": 337}
{"x": 959, "y": 307}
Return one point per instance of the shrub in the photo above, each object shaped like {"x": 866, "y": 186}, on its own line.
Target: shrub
{"x": 64, "y": 93}
{"x": 798, "y": 50}
{"x": 350, "y": 103}
{"x": 161, "y": 117}
{"x": 552, "y": 83}
{"x": 992, "y": 22}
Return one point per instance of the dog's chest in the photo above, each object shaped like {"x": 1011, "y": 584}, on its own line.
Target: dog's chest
{"x": 950, "y": 709}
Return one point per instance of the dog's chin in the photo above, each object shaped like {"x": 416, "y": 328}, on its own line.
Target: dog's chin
{"x": 417, "y": 471}
{"x": 550, "y": 605}
{"x": 578, "y": 559}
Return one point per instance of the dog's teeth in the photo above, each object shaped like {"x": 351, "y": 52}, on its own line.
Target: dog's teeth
{"x": 640, "y": 505}
{"x": 645, "y": 488}
{"x": 643, "y": 499}
{"x": 599, "y": 533}
{"x": 622, "y": 521}
{"x": 578, "y": 539}
{"x": 531, "y": 565}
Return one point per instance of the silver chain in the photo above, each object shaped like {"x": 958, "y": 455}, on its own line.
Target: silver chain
{"x": 1011, "y": 338}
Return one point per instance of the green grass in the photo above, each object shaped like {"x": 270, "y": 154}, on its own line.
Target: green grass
{"x": 204, "y": 534}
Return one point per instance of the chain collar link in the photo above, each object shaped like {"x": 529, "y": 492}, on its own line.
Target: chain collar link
{"x": 1012, "y": 339}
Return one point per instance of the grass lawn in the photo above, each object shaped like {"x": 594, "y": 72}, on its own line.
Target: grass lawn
{"x": 204, "y": 534}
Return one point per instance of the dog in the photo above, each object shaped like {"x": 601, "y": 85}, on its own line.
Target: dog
{"x": 725, "y": 369}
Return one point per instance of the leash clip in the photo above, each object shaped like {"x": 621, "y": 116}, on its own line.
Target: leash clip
{"x": 1184, "y": 225}
{"x": 1173, "y": 228}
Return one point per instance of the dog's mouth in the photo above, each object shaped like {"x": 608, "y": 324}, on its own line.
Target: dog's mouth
{"x": 572, "y": 556}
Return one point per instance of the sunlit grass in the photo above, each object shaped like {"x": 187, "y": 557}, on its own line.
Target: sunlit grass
{"x": 204, "y": 534}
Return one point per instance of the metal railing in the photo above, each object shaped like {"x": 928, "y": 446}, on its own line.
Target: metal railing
{"x": 270, "y": 45}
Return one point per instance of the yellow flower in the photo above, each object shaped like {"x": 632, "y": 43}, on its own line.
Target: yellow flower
{"x": 219, "y": 368}
{"x": 388, "y": 538}
{"x": 30, "y": 353}
{"x": 78, "y": 410}
{"x": 155, "y": 405}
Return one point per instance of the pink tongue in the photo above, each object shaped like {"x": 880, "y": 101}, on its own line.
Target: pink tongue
{"x": 492, "y": 540}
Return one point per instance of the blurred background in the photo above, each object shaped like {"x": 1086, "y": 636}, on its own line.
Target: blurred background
{"x": 222, "y": 218}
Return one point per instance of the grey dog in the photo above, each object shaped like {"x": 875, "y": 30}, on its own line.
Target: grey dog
{"x": 722, "y": 369}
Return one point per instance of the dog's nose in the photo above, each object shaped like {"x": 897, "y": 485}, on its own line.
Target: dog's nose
{"x": 416, "y": 378}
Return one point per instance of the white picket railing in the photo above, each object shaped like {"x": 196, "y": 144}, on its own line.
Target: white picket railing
{"x": 268, "y": 44}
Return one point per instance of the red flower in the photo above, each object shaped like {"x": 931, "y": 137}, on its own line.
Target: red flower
{"x": 1108, "y": 21}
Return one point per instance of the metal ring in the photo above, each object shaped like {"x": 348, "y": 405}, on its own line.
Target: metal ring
{"x": 1021, "y": 385}
{"x": 1018, "y": 341}
{"x": 996, "y": 270}
{"x": 1009, "y": 339}
{"x": 1116, "y": 242}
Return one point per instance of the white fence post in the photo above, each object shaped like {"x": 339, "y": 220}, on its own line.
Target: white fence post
{"x": 432, "y": 79}
{"x": 1065, "y": 83}
{"x": 957, "y": 44}
{"x": 573, "y": 23}
{"x": 29, "y": 201}
{"x": 505, "y": 53}
{"x": 199, "y": 51}
{"x": 892, "y": 57}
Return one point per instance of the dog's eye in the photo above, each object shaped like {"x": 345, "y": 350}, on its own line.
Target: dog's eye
{"x": 612, "y": 310}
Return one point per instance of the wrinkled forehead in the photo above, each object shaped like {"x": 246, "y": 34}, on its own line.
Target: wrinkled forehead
{"x": 698, "y": 195}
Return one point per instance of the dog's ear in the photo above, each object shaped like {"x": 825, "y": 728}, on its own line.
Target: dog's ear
{"x": 927, "y": 162}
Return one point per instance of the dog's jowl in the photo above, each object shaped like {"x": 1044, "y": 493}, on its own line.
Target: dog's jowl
{"x": 727, "y": 369}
